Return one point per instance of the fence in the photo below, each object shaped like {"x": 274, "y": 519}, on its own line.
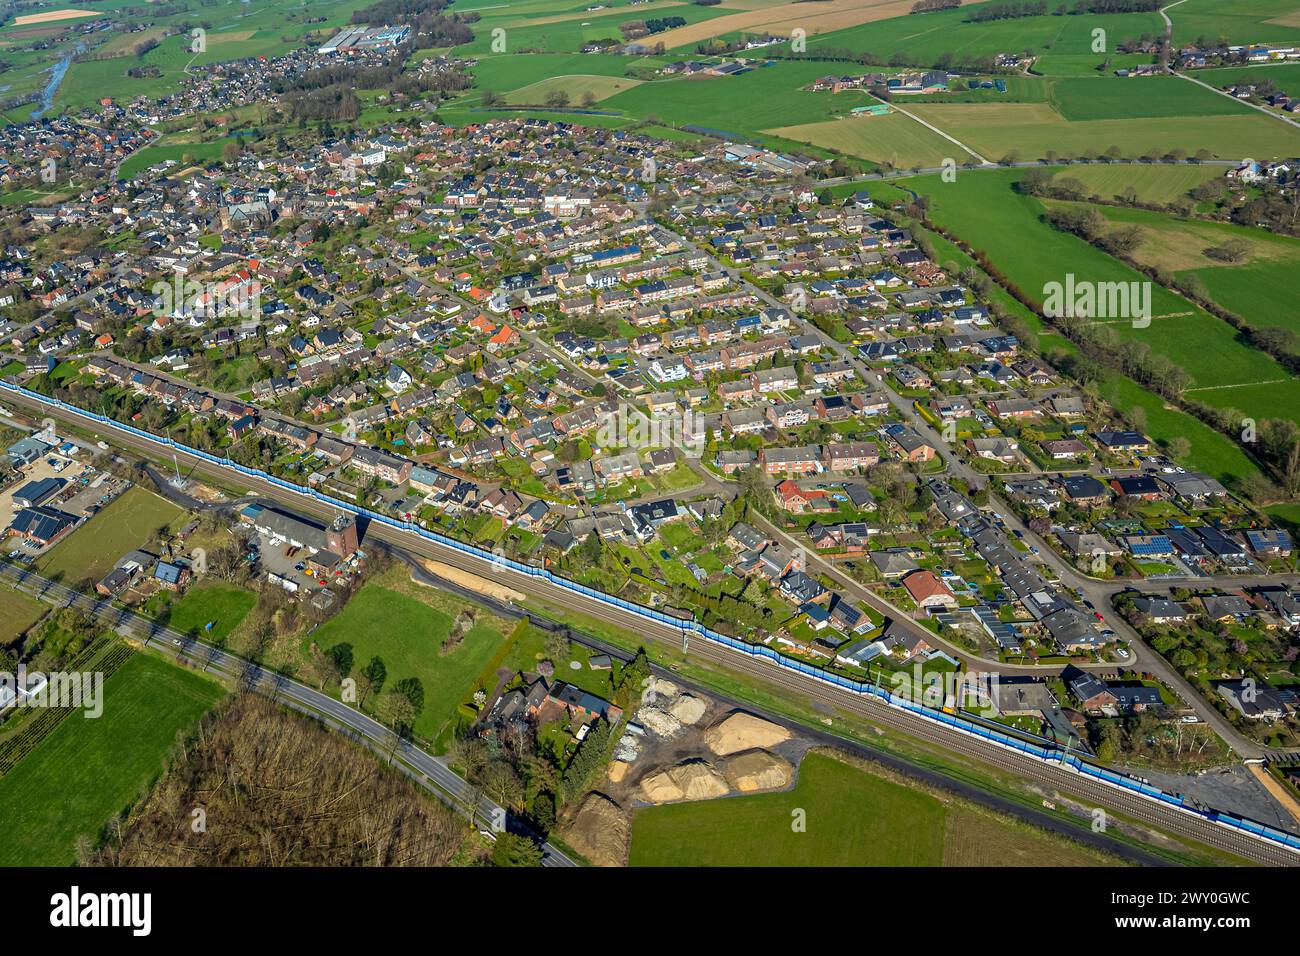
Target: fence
{"x": 1049, "y": 752}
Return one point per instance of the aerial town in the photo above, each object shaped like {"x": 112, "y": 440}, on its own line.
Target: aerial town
{"x": 590, "y": 472}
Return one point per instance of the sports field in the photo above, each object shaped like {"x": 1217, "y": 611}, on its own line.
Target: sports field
{"x": 853, "y": 818}
{"x": 88, "y": 770}
{"x": 128, "y": 522}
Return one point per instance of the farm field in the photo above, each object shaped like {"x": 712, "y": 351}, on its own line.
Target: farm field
{"x": 407, "y": 634}
{"x": 759, "y": 17}
{"x": 1031, "y": 130}
{"x": 88, "y": 770}
{"x": 854, "y": 818}
{"x": 983, "y": 208}
{"x": 1153, "y": 184}
{"x": 574, "y": 87}
{"x": 1080, "y": 99}
{"x": 18, "y": 612}
{"x": 1237, "y": 21}
{"x": 922, "y": 39}
{"x": 893, "y": 139}
{"x": 128, "y": 522}
{"x": 559, "y": 26}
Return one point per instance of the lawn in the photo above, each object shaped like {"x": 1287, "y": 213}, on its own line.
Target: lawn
{"x": 853, "y": 817}
{"x": 407, "y": 634}
{"x": 210, "y": 601}
{"x": 87, "y": 770}
{"x": 18, "y": 612}
{"x": 128, "y": 522}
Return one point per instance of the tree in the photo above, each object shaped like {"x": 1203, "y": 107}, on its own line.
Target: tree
{"x": 396, "y": 711}
{"x": 373, "y": 677}
{"x": 513, "y": 850}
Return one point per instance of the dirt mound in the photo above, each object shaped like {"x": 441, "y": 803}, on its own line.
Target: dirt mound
{"x": 743, "y": 731}
{"x": 757, "y": 770}
{"x": 688, "y": 709}
{"x": 600, "y": 831}
{"x": 660, "y": 788}
{"x": 698, "y": 780}
{"x": 689, "y": 780}
{"x": 617, "y": 770}
{"x": 659, "y": 688}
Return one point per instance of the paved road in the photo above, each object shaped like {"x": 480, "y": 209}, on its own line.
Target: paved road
{"x": 432, "y": 773}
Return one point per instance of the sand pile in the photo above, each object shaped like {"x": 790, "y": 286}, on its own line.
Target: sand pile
{"x": 690, "y": 780}
{"x": 757, "y": 770}
{"x": 743, "y": 731}
{"x": 688, "y": 709}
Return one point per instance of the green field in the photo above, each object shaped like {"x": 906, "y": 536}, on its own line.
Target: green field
{"x": 18, "y": 612}
{"x": 923, "y": 39}
{"x": 853, "y": 817}
{"x": 407, "y": 634}
{"x": 177, "y": 152}
{"x": 88, "y": 770}
{"x": 128, "y": 522}
{"x": 1261, "y": 288}
{"x": 1032, "y": 130}
{"x": 211, "y": 601}
{"x": 1237, "y": 21}
{"x": 983, "y": 208}
{"x": 1153, "y": 184}
{"x": 895, "y": 139}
